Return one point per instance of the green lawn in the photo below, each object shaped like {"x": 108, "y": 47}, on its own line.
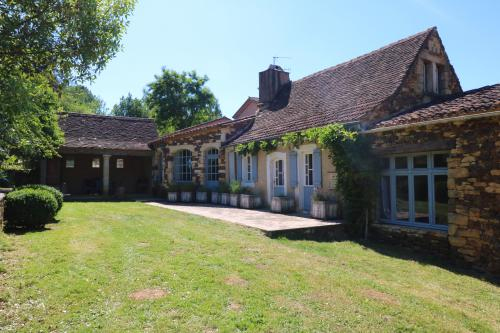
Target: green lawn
{"x": 80, "y": 276}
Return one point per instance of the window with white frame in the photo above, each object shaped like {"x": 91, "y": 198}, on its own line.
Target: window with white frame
{"x": 119, "y": 163}
{"x": 213, "y": 164}
{"x": 183, "y": 166}
{"x": 308, "y": 166}
{"x": 247, "y": 168}
{"x": 96, "y": 163}
{"x": 279, "y": 179}
{"x": 413, "y": 190}
{"x": 70, "y": 163}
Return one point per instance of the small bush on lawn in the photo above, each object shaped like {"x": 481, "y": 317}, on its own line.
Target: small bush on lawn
{"x": 30, "y": 208}
{"x": 55, "y": 192}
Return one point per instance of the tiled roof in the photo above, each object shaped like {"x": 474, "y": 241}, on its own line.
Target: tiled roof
{"x": 243, "y": 111}
{"x": 194, "y": 128}
{"x": 343, "y": 93}
{"x": 106, "y": 132}
{"x": 470, "y": 102}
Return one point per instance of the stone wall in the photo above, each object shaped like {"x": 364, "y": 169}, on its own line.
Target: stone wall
{"x": 2, "y": 207}
{"x": 473, "y": 182}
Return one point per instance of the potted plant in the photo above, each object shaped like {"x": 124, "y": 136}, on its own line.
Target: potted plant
{"x": 187, "y": 192}
{"x": 201, "y": 194}
{"x": 234, "y": 196}
{"x": 324, "y": 205}
{"x": 214, "y": 195}
{"x": 172, "y": 192}
{"x": 249, "y": 199}
{"x": 282, "y": 204}
{"x": 224, "y": 190}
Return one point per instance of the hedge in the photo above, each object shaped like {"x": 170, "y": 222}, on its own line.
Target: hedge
{"x": 30, "y": 208}
{"x": 55, "y": 192}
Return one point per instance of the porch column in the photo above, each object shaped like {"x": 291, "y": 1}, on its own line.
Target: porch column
{"x": 105, "y": 174}
{"x": 43, "y": 171}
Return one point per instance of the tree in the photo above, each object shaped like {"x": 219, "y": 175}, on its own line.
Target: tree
{"x": 130, "y": 107}
{"x": 45, "y": 45}
{"x": 179, "y": 100}
{"x": 80, "y": 99}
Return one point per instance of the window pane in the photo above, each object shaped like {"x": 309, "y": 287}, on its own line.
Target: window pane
{"x": 386, "y": 163}
{"x": 440, "y": 160}
{"x": 420, "y": 161}
{"x": 95, "y": 163}
{"x": 421, "y": 199}
{"x": 401, "y": 162}
{"x": 70, "y": 163}
{"x": 402, "y": 198}
{"x": 441, "y": 199}
{"x": 385, "y": 198}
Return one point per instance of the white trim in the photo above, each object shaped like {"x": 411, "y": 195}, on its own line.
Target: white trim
{"x": 435, "y": 121}
{"x": 270, "y": 159}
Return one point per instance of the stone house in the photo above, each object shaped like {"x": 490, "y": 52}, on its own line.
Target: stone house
{"x": 102, "y": 155}
{"x": 440, "y": 188}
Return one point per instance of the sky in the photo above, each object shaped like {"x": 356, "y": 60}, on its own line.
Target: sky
{"x": 231, "y": 41}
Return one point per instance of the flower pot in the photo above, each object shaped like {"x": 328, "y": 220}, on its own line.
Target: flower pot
{"x": 282, "y": 205}
{"x": 249, "y": 201}
{"x": 201, "y": 196}
{"x": 224, "y": 199}
{"x": 186, "y": 196}
{"x": 214, "y": 198}
{"x": 234, "y": 199}
{"x": 172, "y": 196}
{"x": 324, "y": 210}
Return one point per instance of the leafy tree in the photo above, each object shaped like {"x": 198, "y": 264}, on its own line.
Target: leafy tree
{"x": 130, "y": 107}
{"x": 179, "y": 100}
{"x": 45, "y": 45}
{"x": 80, "y": 99}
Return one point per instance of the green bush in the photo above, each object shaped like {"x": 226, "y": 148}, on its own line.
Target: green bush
{"x": 55, "y": 192}
{"x": 30, "y": 208}
{"x": 187, "y": 187}
{"x": 235, "y": 187}
{"x": 224, "y": 188}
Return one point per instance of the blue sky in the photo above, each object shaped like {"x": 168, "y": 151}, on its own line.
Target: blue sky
{"x": 231, "y": 41}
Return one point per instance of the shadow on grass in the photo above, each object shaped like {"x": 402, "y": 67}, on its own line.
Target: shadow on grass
{"x": 18, "y": 230}
{"x": 101, "y": 198}
{"x": 425, "y": 259}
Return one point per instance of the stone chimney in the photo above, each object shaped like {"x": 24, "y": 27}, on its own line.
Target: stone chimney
{"x": 270, "y": 82}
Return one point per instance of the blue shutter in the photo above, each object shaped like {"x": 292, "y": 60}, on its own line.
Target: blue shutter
{"x": 255, "y": 167}
{"x": 232, "y": 174}
{"x": 317, "y": 167}
{"x": 239, "y": 162}
{"x": 292, "y": 168}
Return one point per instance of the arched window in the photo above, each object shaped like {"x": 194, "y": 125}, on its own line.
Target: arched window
{"x": 183, "y": 166}
{"x": 212, "y": 165}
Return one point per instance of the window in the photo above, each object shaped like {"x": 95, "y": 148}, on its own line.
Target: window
{"x": 308, "y": 163}
{"x": 212, "y": 165}
{"x": 428, "y": 77}
{"x": 96, "y": 163}
{"x": 119, "y": 163}
{"x": 183, "y": 166}
{"x": 279, "y": 179}
{"x": 248, "y": 168}
{"x": 413, "y": 190}
{"x": 70, "y": 164}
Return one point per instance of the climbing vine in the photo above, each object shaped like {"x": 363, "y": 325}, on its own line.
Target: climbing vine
{"x": 355, "y": 164}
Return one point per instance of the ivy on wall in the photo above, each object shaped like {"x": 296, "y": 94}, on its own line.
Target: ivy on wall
{"x": 357, "y": 167}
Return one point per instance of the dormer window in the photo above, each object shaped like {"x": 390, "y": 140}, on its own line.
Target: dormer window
{"x": 432, "y": 78}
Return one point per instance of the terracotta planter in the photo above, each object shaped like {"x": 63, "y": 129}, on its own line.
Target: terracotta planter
{"x": 214, "y": 198}
{"x": 282, "y": 205}
{"x": 324, "y": 210}
{"x": 201, "y": 196}
{"x": 234, "y": 200}
{"x": 186, "y": 196}
{"x": 224, "y": 199}
{"x": 172, "y": 196}
{"x": 249, "y": 201}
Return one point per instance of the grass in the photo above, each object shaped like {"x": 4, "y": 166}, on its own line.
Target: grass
{"x": 80, "y": 274}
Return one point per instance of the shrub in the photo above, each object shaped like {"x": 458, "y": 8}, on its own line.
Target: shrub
{"x": 224, "y": 188}
{"x": 235, "y": 187}
{"x": 187, "y": 187}
{"x": 173, "y": 187}
{"x": 55, "y": 192}
{"x": 323, "y": 195}
{"x": 202, "y": 188}
{"x": 247, "y": 190}
{"x": 30, "y": 208}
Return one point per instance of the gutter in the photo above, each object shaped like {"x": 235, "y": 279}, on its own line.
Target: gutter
{"x": 435, "y": 121}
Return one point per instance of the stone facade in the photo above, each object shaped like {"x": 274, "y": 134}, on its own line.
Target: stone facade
{"x": 473, "y": 183}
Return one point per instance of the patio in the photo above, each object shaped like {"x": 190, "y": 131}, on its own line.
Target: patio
{"x": 271, "y": 224}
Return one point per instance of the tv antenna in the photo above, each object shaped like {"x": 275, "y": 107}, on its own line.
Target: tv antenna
{"x": 277, "y": 57}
